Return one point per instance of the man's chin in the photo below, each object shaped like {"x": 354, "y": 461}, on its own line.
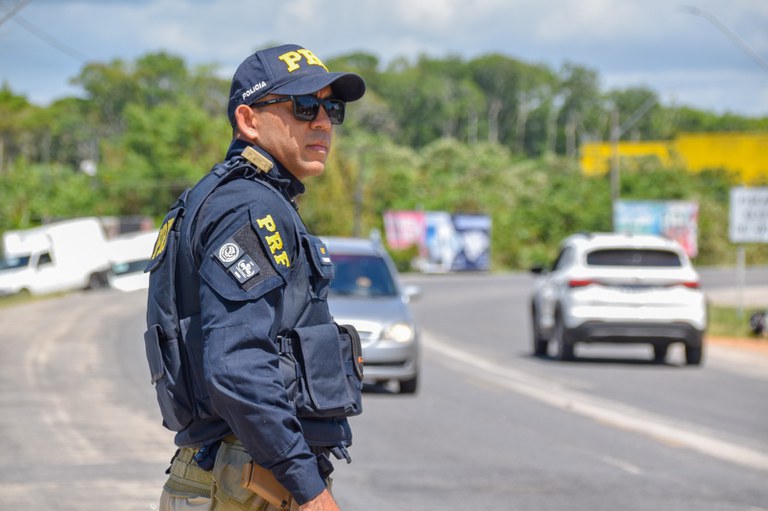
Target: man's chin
{"x": 311, "y": 170}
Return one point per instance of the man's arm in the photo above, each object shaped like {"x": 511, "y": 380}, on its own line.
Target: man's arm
{"x": 239, "y": 313}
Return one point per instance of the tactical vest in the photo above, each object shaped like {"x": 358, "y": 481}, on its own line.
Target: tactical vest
{"x": 321, "y": 362}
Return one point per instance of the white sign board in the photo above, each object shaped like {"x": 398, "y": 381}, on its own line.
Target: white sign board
{"x": 749, "y": 215}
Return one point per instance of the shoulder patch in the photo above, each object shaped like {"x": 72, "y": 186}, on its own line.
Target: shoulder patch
{"x": 161, "y": 244}
{"x": 243, "y": 258}
{"x": 276, "y": 234}
{"x": 229, "y": 252}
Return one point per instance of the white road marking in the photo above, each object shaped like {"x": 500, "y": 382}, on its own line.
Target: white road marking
{"x": 606, "y": 411}
{"x": 623, "y": 465}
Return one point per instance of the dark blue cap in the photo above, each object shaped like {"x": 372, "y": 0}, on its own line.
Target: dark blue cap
{"x": 288, "y": 70}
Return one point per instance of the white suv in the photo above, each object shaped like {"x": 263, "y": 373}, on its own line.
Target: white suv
{"x": 619, "y": 288}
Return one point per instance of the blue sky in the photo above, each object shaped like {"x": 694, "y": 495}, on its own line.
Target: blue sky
{"x": 687, "y": 59}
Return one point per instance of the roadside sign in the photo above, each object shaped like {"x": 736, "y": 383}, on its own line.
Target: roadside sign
{"x": 749, "y": 215}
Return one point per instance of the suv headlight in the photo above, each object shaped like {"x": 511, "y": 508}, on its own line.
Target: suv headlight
{"x": 399, "y": 332}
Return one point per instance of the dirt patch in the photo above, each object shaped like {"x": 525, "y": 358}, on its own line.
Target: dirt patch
{"x": 755, "y": 344}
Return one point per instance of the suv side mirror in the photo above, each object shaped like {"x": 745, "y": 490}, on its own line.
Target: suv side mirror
{"x": 538, "y": 269}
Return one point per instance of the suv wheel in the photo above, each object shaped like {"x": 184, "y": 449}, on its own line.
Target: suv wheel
{"x": 694, "y": 350}
{"x": 562, "y": 338}
{"x": 539, "y": 343}
{"x": 660, "y": 353}
{"x": 693, "y": 355}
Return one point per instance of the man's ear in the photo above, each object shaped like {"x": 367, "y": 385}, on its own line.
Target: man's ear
{"x": 246, "y": 121}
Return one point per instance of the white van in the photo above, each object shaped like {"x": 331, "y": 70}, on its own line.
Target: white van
{"x": 129, "y": 254}
{"x": 60, "y": 256}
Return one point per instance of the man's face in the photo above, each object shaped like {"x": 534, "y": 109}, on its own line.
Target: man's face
{"x": 301, "y": 146}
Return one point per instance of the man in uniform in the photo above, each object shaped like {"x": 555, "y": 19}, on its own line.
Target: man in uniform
{"x": 250, "y": 369}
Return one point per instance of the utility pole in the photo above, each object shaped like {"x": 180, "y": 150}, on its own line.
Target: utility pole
{"x": 617, "y": 131}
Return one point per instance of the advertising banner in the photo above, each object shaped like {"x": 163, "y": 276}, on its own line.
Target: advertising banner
{"x": 677, "y": 220}
{"x": 446, "y": 242}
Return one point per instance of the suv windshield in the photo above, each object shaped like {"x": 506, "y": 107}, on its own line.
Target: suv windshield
{"x": 361, "y": 275}
{"x": 633, "y": 257}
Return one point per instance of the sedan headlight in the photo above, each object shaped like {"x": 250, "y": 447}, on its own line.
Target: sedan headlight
{"x": 399, "y": 332}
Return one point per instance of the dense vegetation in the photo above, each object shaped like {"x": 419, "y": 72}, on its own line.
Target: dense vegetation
{"x": 492, "y": 135}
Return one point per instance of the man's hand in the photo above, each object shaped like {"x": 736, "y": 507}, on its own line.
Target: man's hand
{"x": 323, "y": 502}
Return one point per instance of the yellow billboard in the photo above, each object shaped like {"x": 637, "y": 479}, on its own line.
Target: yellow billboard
{"x": 745, "y": 154}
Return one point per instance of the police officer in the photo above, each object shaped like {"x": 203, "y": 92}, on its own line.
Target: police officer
{"x": 250, "y": 369}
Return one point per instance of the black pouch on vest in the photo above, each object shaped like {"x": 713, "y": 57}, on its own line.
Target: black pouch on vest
{"x": 329, "y": 384}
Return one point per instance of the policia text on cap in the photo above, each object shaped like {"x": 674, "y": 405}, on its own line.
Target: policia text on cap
{"x": 250, "y": 369}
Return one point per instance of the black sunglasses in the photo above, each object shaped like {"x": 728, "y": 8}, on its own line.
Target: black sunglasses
{"x": 306, "y": 107}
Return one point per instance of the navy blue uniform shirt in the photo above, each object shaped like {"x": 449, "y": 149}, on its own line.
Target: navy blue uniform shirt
{"x": 247, "y": 243}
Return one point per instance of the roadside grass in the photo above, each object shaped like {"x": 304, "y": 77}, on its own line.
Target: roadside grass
{"x": 11, "y": 300}
{"x": 22, "y": 298}
{"x": 731, "y": 322}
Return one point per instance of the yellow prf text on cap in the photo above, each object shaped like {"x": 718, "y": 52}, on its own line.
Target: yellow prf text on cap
{"x": 293, "y": 59}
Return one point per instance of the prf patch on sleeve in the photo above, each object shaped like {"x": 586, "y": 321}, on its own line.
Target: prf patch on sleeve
{"x": 273, "y": 240}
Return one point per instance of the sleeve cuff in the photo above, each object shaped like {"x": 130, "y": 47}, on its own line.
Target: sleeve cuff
{"x": 301, "y": 477}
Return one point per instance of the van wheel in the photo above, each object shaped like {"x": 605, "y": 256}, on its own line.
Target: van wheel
{"x": 94, "y": 281}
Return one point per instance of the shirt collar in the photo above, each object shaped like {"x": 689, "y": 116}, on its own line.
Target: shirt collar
{"x": 279, "y": 176}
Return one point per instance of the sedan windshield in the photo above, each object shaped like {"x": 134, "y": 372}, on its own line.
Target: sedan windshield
{"x": 137, "y": 266}
{"x": 361, "y": 275}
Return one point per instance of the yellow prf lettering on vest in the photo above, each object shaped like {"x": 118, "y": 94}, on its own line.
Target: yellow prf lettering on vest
{"x": 274, "y": 241}
{"x": 267, "y": 223}
{"x": 293, "y": 59}
{"x": 162, "y": 238}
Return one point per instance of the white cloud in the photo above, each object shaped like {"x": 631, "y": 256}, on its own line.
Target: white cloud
{"x": 648, "y": 41}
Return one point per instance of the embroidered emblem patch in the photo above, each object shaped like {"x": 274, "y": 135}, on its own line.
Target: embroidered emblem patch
{"x": 244, "y": 269}
{"x": 229, "y": 252}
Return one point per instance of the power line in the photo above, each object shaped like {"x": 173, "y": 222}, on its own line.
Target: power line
{"x": 722, "y": 27}
{"x": 41, "y": 34}
{"x": 13, "y": 10}
{"x": 52, "y": 41}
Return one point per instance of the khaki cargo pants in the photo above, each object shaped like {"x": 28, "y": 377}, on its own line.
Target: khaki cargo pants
{"x": 189, "y": 487}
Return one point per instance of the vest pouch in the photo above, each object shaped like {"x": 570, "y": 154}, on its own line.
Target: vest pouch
{"x": 321, "y": 266}
{"x": 168, "y": 371}
{"x": 165, "y": 350}
{"x": 326, "y": 432}
{"x": 328, "y": 385}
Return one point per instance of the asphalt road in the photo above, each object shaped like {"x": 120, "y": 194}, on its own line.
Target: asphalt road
{"x": 491, "y": 427}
